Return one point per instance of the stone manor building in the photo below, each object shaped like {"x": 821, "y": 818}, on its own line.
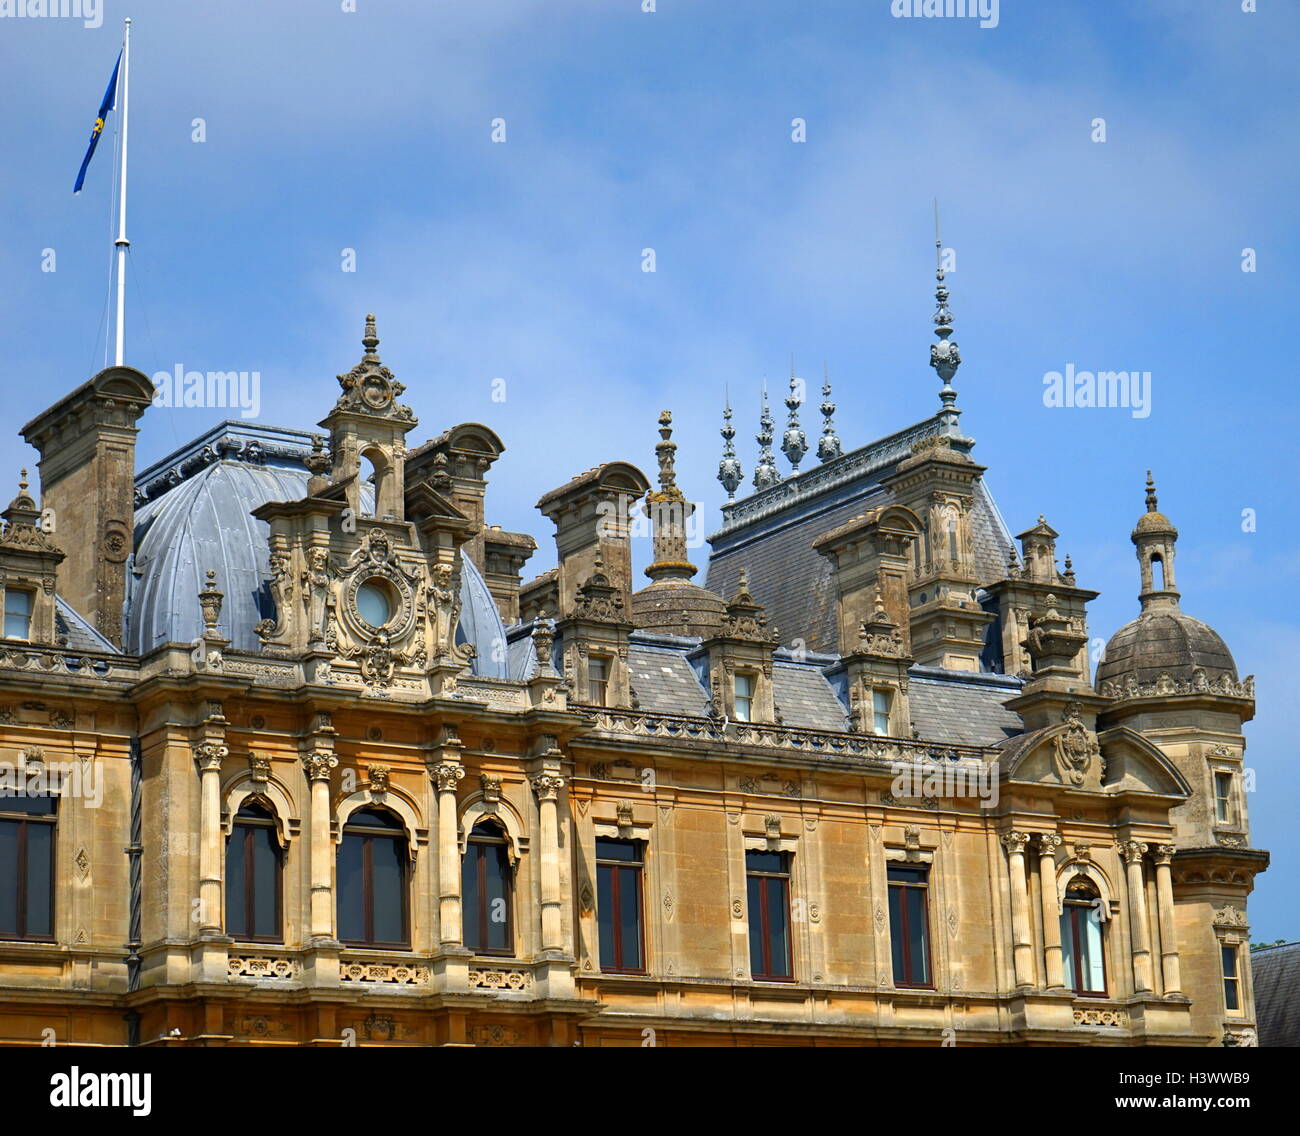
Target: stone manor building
{"x": 291, "y": 752}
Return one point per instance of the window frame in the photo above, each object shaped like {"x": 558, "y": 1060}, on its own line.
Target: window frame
{"x": 887, "y": 695}
{"x": 476, "y": 840}
{"x": 1074, "y": 916}
{"x": 766, "y": 879}
{"x": 749, "y": 699}
{"x": 1224, "y": 804}
{"x": 904, "y": 887}
{"x": 369, "y": 835}
{"x": 29, "y": 614}
{"x": 252, "y": 827}
{"x": 21, "y": 900}
{"x": 1231, "y": 981}
{"x": 637, "y": 868}
{"x": 598, "y": 688}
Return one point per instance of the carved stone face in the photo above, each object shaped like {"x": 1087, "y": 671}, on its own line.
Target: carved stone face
{"x": 378, "y": 546}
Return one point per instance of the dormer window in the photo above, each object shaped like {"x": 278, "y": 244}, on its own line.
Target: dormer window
{"x": 744, "y": 697}
{"x": 880, "y": 705}
{"x": 18, "y": 613}
{"x": 598, "y": 680}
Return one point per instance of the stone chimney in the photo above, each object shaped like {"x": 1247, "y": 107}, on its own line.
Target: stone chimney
{"x": 592, "y": 519}
{"x": 871, "y": 555}
{"x": 87, "y": 446}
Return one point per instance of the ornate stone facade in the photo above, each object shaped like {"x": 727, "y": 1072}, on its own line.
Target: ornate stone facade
{"x": 390, "y": 678}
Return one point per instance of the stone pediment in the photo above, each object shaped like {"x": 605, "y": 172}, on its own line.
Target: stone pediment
{"x": 1115, "y": 761}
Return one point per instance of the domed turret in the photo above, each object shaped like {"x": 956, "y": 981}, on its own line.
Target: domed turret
{"x": 1163, "y": 640}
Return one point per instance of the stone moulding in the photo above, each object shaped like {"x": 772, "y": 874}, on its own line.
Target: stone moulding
{"x": 499, "y": 978}
{"x": 393, "y": 974}
{"x": 261, "y": 967}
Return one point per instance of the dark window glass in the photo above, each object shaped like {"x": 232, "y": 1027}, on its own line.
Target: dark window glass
{"x": 27, "y": 867}
{"x": 372, "y": 880}
{"x": 768, "y": 888}
{"x": 909, "y": 926}
{"x": 1231, "y": 981}
{"x": 486, "y": 891}
{"x": 618, "y": 905}
{"x": 253, "y": 876}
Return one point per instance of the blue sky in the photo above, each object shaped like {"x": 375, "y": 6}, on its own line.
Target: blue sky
{"x": 671, "y": 130}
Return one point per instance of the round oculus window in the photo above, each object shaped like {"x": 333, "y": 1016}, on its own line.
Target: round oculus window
{"x": 374, "y": 602}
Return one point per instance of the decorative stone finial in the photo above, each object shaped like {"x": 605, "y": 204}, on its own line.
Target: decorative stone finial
{"x": 765, "y": 473}
{"x": 210, "y": 600}
{"x": 666, "y": 452}
{"x": 829, "y": 446}
{"x": 794, "y": 443}
{"x": 945, "y": 358}
{"x": 729, "y": 470}
{"x": 1151, "y": 494}
{"x": 370, "y": 340}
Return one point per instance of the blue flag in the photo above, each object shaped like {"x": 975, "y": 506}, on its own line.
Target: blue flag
{"x": 110, "y": 98}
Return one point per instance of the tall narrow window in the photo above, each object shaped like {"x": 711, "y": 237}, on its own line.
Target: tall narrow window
{"x": 1231, "y": 979}
{"x": 880, "y": 700}
{"x": 486, "y": 891}
{"x": 1082, "y": 941}
{"x": 952, "y": 538}
{"x": 744, "y": 700}
{"x": 253, "y": 876}
{"x": 767, "y": 876}
{"x": 27, "y": 867}
{"x": 1223, "y": 797}
{"x": 909, "y": 925}
{"x": 598, "y": 680}
{"x": 18, "y": 613}
{"x": 373, "y": 881}
{"x": 619, "y": 864}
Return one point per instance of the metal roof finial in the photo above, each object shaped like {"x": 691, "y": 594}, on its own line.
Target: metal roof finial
{"x": 794, "y": 443}
{"x": 945, "y": 358}
{"x": 829, "y": 446}
{"x": 765, "y": 473}
{"x": 729, "y": 470}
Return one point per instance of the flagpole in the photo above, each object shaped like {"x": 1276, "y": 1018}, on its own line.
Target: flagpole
{"x": 122, "y": 243}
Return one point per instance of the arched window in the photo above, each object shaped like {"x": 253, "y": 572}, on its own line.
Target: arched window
{"x": 373, "y": 881}
{"x": 254, "y": 876}
{"x": 1158, "y": 572}
{"x": 487, "y": 892}
{"x": 27, "y": 867}
{"x": 953, "y": 554}
{"x": 1081, "y": 938}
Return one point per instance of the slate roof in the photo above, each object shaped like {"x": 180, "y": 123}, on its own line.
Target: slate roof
{"x": 963, "y": 709}
{"x": 1276, "y": 972}
{"x": 662, "y": 675}
{"x": 79, "y": 633}
{"x": 770, "y": 534}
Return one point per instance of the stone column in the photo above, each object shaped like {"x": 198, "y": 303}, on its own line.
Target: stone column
{"x": 1133, "y": 851}
{"x": 1022, "y": 944}
{"x": 1048, "y": 843}
{"x": 318, "y": 764}
{"x": 547, "y": 786}
{"x": 1169, "y": 968}
{"x": 446, "y": 776}
{"x": 209, "y": 756}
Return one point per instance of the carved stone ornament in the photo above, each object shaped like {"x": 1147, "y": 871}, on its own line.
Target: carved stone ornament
{"x": 377, "y": 777}
{"x": 259, "y": 768}
{"x": 547, "y": 786}
{"x": 210, "y": 755}
{"x": 447, "y": 775}
{"x": 1075, "y": 749}
{"x": 318, "y": 765}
